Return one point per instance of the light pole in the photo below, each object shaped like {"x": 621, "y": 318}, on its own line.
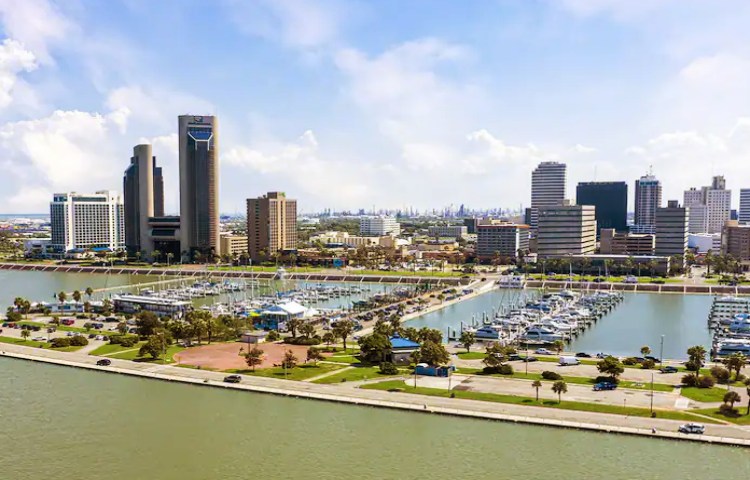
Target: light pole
{"x": 652, "y": 394}
{"x": 661, "y": 352}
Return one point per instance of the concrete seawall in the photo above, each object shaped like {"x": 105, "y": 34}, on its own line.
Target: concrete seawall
{"x": 403, "y": 401}
{"x": 255, "y": 275}
{"x": 642, "y": 287}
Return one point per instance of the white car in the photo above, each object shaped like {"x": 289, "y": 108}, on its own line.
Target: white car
{"x": 542, "y": 351}
{"x": 696, "y": 428}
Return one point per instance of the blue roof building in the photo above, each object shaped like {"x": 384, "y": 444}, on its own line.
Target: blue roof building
{"x": 402, "y": 349}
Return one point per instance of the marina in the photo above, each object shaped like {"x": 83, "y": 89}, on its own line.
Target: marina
{"x": 729, "y": 320}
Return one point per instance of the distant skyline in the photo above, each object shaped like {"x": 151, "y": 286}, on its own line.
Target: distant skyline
{"x": 346, "y": 104}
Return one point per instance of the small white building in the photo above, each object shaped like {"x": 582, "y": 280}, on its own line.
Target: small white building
{"x": 704, "y": 242}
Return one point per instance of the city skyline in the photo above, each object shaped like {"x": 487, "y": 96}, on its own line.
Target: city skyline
{"x": 390, "y": 116}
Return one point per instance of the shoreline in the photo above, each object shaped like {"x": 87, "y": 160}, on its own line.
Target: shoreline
{"x": 416, "y": 403}
{"x": 674, "y": 288}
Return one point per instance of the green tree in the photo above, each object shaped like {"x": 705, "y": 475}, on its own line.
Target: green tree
{"x": 328, "y": 338}
{"x": 107, "y": 306}
{"x": 89, "y": 291}
{"x": 731, "y": 397}
{"x": 289, "y": 360}
{"x": 307, "y": 330}
{"x": 696, "y": 359}
{"x": 76, "y": 296}
{"x": 293, "y": 325}
{"x": 735, "y": 362}
{"x": 374, "y": 348}
{"x": 122, "y": 327}
{"x": 313, "y": 355}
{"x": 147, "y": 323}
{"x": 610, "y": 366}
{"x": 25, "y": 333}
{"x": 433, "y": 353}
{"x": 560, "y": 387}
{"x": 155, "y": 345}
{"x": 254, "y": 357}
{"x": 537, "y": 385}
{"x": 61, "y": 297}
{"x": 273, "y": 336}
{"x": 467, "y": 339}
{"x": 558, "y": 345}
{"x": 343, "y": 330}
{"x": 495, "y": 355}
{"x": 430, "y": 334}
{"x": 645, "y": 350}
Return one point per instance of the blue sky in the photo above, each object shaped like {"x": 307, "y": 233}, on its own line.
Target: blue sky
{"x": 348, "y": 104}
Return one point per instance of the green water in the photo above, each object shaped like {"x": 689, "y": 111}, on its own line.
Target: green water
{"x": 67, "y": 424}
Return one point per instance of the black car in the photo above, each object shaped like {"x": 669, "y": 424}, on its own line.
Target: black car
{"x": 583, "y": 355}
{"x": 668, "y": 369}
{"x": 530, "y": 359}
{"x": 651, "y": 357}
{"x": 232, "y": 379}
{"x": 514, "y": 357}
{"x": 104, "y": 362}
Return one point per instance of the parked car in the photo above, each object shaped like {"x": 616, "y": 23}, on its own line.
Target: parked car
{"x": 604, "y": 386}
{"x": 232, "y": 379}
{"x": 543, "y": 351}
{"x": 668, "y": 369}
{"x": 602, "y": 355}
{"x": 530, "y": 359}
{"x": 583, "y": 355}
{"x": 689, "y": 428}
{"x": 651, "y": 357}
{"x": 104, "y": 362}
{"x": 514, "y": 357}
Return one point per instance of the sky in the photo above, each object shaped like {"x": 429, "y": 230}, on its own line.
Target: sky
{"x": 350, "y": 104}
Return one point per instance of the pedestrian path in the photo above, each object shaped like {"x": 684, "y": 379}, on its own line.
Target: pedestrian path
{"x": 328, "y": 374}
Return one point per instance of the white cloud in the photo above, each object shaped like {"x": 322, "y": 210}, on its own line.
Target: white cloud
{"x": 35, "y": 23}
{"x": 156, "y": 108}
{"x": 14, "y": 59}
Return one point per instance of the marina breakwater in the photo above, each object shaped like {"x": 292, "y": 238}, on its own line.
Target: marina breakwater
{"x": 665, "y": 429}
{"x": 642, "y": 287}
{"x": 247, "y": 274}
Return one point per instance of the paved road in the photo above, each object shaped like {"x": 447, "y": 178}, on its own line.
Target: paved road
{"x": 345, "y": 393}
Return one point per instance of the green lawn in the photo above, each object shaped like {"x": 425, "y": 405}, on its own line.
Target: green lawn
{"x": 714, "y": 394}
{"x": 401, "y": 386}
{"x": 31, "y": 343}
{"x": 128, "y": 354}
{"x": 356, "y": 374}
{"x": 471, "y": 355}
{"x": 347, "y": 359}
{"x": 301, "y": 372}
{"x": 111, "y": 348}
{"x": 741, "y": 419}
{"x": 658, "y": 387}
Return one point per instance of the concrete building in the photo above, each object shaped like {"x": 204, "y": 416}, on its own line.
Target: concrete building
{"x": 710, "y": 206}
{"x": 165, "y": 237}
{"x": 672, "y": 229}
{"x": 233, "y": 244}
{"x": 378, "y": 226}
{"x": 143, "y": 188}
{"x": 271, "y": 225}
{"x": 705, "y": 242}
{"x": 610, "y": 200}
{"x": 87, "y": 221}
{"x": 448, "y": 231}
{"x": 199, "y": 184}
{"x": 471, "y": 225}
{"x": 735, "y": 241}
{"x": 744, "y": 213}
{"x": 344, "y": 239}
{"x": 548, "y": 182}
{"x": 503, "y": 239}
{"x": 647, "y": 200}
{"x": 566, "y": 230}
{"x": 613, "y": 242}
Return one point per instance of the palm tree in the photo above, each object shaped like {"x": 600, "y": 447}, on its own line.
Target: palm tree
{"x": 25, "y": 334}
{"x": 156, "y": 254}
{"x": 89, "y": 291}
{"x": 709, "y": 260}
{"x": 170, "y": 257}
{"x": 731, "y": 397}
{"x": 76, "y": 296}
{"x": 560, "y": 387}
{"x": 61, "y": 297}
{"x": 558, "y": 345}
{"x": 537, "y": 385}
{"x": 645, "y": 350}
{"x": 735, "y": 362}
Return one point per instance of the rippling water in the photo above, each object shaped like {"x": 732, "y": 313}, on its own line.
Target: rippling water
{"x": 70, "y": 424}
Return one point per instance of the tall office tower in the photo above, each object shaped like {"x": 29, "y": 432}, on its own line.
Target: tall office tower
{"x": 199, "y": 184}
{"x": 566, "y": 230}
{"x": 647, "y": 200}
{"x": 610, "y": 200}
{"x": 672, "y": 229}
{"x": 143, "y": 188}
{"x": 271, "y": 225}
{"x": 87, "y": 221}
{"x": 709, "y": 207}
{"x": 547, "y": 189}
{"x": 744, "y": 215}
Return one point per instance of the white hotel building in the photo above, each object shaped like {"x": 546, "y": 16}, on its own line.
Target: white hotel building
{"x": 379, "y": 226}
{"x": 87, "y": 221}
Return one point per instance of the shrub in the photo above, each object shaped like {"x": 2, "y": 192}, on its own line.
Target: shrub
{"x": 504, "y": 369}
{"x": 706, "y": 381}
{"x": 548, "y": 375}
{"x": 689, "y": 380}
{"x": 302, "y": 341}
{"x": 123, "y": 340}
{"x": 728, "y": 410}
{"x": 648, "y": 364}
{"x": 273, "y": 336}
{"x": 60, "y": 342}
{"x": 630, "y": 361}
{"x": 604, "y": 378}
{"x": 387, "y": 368}
{"x": 720, "y": 374}
{"x": 79, "y": 341}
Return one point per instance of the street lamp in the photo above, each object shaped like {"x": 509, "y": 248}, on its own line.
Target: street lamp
{"x": 661, "y": 352}
{"x": 652, "y": 394}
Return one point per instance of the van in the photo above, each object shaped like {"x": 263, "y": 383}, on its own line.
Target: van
{"x": 565, "y": 361}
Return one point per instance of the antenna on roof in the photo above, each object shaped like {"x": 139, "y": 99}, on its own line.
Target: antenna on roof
{"x": 650, "y": 170}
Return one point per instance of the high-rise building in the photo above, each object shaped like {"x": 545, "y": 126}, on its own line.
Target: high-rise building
{"x": 610, "y": 200}
{"x": 647, "y": 200}
{"x": 672, "y": 229}
{"x": 143, "y": 188}
{"x": 377, "y": 226}
{"x": 566, "y": 230}
{"x": 87, "y": 222}
{"x": 199, "y": 184}
{"x": 505, "y": 239}
{"x": 271, "y": 225}
{"x": 735, "y": 241}
{"x": 547, "y": 189}
{"x": 710, "y": 206}
{"x": 621, "y": 243}
{"x": 448, "y": 231}
{"x": 744, "y": 214}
